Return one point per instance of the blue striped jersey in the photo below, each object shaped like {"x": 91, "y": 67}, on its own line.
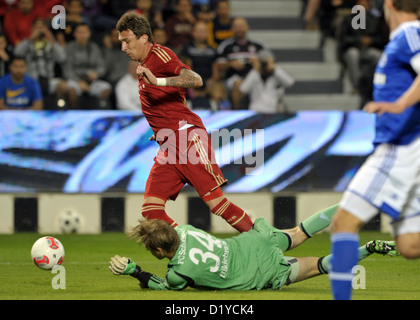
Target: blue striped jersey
{"x": 394, "y": 74}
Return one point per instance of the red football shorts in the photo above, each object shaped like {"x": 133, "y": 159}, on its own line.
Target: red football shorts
{"x": 186, "y": 156}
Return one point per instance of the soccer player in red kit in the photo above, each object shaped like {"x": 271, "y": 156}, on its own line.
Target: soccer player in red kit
{"x": 185, "y": 153}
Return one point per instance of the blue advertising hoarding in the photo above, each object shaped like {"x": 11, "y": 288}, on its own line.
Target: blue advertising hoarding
{"x": 110, "y": 151}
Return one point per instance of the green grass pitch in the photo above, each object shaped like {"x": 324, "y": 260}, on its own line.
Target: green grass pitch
{"x": 88, "y": 277}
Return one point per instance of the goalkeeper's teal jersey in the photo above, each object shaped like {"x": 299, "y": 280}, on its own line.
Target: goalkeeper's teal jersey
{"x": 251, "y": 260}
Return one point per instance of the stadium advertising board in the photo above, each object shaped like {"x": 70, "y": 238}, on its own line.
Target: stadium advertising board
{"x": 110, "y": 151}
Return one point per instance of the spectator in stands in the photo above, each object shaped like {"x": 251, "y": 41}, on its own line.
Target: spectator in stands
{"x": 5, "y": 7}
{"x": 116, "y": 61}
{"x": 74, "y": 9}
{"x": 168, "y": 8}
{"x": 201, "y": 57}
{"x": 234, "y": 60}
{"x": 127, "y": 89}
{"x": 84, "y": 67}
{"x": 20, "y": 14}
{"x": 18, "y": 90}
{"x": 18, "y": 22}
{"x": 145, "y": 7}
{"x": 6, "y": 55}
{"x": 204, "y": 9}
{"x": 160, "y": 37}
{"x": 360, "y": 49}
{"x": 44, "y": 7}
{"x": 220, "y": 28}
{"x": 218, "y": 97}
{"x": 331, "y": 13}
{"x": 116, "y": 8}
{"x": 42, "y": 53}
{"x": 265, "y": 84}
{"x": 179, "y": 26}
{"x": 99, "y": 20}
{"x": 310, "y": 13}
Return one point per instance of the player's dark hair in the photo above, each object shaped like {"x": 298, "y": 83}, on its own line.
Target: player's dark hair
{"x": 82, "y": 24}
{"x": 227, "y": 1}
{"x": 16, "y": 58}
{"x": 68, "y": 2}
{"x": 411, "y": 6}
{"x": 137, "y": 23}
{"x": 154, "y": 233}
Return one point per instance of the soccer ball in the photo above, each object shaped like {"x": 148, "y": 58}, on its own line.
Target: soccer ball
{"x": 70, "y": 221}
{"x": 47, "y": 252}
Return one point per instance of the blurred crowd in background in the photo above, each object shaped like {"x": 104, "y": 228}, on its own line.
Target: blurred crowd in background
{"x": 83, "y": 67}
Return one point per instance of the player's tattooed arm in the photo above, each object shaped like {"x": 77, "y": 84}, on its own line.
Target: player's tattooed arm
{"x": 186, "y": 79}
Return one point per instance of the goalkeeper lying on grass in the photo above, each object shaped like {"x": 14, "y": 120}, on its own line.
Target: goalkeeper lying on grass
{"x": 251, "y": 260}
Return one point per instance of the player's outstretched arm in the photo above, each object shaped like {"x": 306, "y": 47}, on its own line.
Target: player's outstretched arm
{"x": 383, "y": 107}
{"x": 126, "y": 266}
{"x": 409, "y": 98}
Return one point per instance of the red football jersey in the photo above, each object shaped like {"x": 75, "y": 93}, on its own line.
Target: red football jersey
{"x": 165, "y": 107}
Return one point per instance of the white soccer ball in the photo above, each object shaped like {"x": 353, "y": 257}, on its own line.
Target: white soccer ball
{"x": 47, "y": 252}
{"x": 70, "y": 221}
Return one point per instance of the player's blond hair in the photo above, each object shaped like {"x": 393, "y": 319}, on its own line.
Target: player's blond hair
{"x": 154, "y": 233}
{"x": 137, "y": 23}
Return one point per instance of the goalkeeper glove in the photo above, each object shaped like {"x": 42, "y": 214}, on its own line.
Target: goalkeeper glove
{"x": 122, "y": 265}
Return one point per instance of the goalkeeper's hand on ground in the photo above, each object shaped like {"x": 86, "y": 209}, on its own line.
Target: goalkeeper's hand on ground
{"x": 122, "y": 265}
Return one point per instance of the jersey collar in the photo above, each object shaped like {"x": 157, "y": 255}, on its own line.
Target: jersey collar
{"x": 149, "y": 53}
{"x": 404, "y": 26}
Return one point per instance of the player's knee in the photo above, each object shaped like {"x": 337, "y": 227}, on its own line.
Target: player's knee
{"x": 344, "y": 221}
{"x": 410, "y": 253}
{"x": 213, "y": 198}
{"x": 409, "y": 249}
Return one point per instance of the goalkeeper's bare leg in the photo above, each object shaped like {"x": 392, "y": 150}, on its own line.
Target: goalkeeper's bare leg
{"x": 310, "y": 226}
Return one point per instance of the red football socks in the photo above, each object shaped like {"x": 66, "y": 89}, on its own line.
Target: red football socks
{"x": 234, "y": 215}
{"x": 156, "y": 211}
